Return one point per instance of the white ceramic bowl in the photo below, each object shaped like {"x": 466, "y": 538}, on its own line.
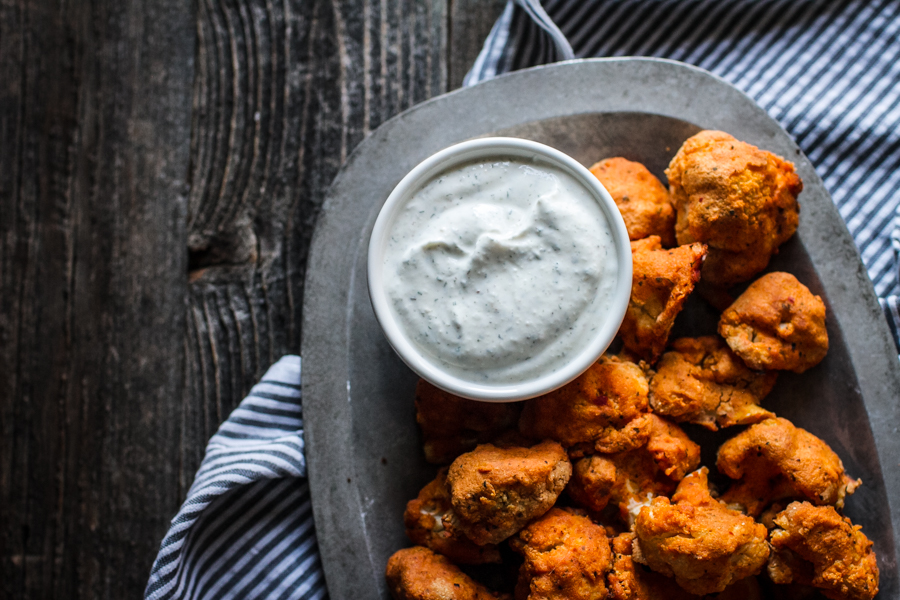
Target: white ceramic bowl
{"x": 428, "y": 367}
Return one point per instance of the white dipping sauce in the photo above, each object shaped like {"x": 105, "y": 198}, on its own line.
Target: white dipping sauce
{"x": 500, "y": 270}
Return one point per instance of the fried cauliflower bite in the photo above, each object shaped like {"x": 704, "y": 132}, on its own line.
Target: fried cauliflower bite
{"x": 642, "y": 199}
{"x": 661, "y": 282}
{"x": 566, "y": 556}
{"x": 452, "y": 425}
{"x": 698, "y": 540}
{"x": 631, "y": 479}
{"x": 700, "y": 380}
{"x": 603, "y": 410}
{"x": 430, "y": 522}
{"x": 814, "y": 545}
{"x": 776, "y": 324}
{"x": 774, "y": 460}
{"x": 420, "y": 574}
{"x": 674, "y": 452}
{"x": 496, "y": 491}
{"x": 631, "y": 581}
{"x": 739, "y": 200}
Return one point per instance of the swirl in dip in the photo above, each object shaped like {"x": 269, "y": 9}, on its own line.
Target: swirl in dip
{"x": 500, "y": 270}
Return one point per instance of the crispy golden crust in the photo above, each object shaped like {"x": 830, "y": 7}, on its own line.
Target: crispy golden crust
{"x": 603, "y": 410}
{"x": 643, "y": 201}
{"x": 738, "y": 199}
{"x": 699, "y": 380}
{"x": 661, "y": 283}
{"x": 774, "y": 460}
{"x": 777, "y": 324}
{"x": 627, "y": 480}
{"x": 566, "y": 556}
{"x": 698, "y": 540}
{"x": 674, "y": 452}
{"x": 430, "y": 522}
{"x": 420, "y": 574}
{"x": 452, "y": 425}
{"x": 631, "y": 479}
{"x": 814, "y": 545}
{"x": 631, "y": 581}
{"x": 496, "y": 491}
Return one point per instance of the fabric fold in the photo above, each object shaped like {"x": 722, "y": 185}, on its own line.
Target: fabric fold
{"x": 245, "y": 529}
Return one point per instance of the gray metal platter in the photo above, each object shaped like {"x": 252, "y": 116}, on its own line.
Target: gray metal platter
{"x": 362, "y": 443}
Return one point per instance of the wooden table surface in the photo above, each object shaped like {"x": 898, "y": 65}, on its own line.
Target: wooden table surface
{"x": 161, "y": 168}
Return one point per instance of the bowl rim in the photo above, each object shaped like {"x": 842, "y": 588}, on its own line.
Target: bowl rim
{"x": 458, "y": 154}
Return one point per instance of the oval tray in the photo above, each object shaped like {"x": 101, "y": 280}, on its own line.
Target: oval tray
{"x": 362, "y": 443}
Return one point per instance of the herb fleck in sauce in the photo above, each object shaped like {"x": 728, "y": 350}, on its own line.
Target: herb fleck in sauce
{"x": 500, "y": 270}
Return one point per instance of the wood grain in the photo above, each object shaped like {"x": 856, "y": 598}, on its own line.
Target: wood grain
{"x": 470, "y": 23}
{"x": 162, "y": 166}
{"x": 95, "y": 109}
{"x": 283, "y": 93}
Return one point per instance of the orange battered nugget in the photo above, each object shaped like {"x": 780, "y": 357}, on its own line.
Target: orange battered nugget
{"x": 631, "y": 479}
{"x": 420, "y": 574}
{"x": 814, "y": 545}
{"x": 702, "y": 543}
{"x": 777, "y": 324}
{"x": 775, "y": 460}
{"x": 631, "y": 581}
{"x": 701, "y": 381}
{"x": 661, "y": 283}
{"x": 674, "y": 452}
{"x": 738, "y": 199}
{"x": 567, "y": 557}
{"x": 430, "y": 522}
{"x": 643, "y": 201}
{"x": 496, "y": 491}
{"x": 452, "y": 425}
{"x": 603, "y": 410}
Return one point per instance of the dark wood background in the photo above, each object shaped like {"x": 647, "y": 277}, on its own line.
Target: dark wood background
{"x": 162, "y": 164}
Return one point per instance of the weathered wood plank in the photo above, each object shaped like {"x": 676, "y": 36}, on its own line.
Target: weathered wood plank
{"x": 284, "y": 92}
{"x": 470, "y": 23}
{"x": 94, "y": 131}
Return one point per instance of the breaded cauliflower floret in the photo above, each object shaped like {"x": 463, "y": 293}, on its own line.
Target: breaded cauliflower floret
{"x": 698, "y": 540}
{"x": 420, "y": 574}
{"x": 661, "y": 282}
{"x": 814, "y": 545}
{"x": 774, "y": 460}
{"x": 452, "y": 425}
{"x": 496, "y": 491}
{"x": 631, "y": 479}
{"x": 739, "y": 200}
{"x": 566, "y": 556}
{"x": 603, "y": 410}
{"x": 630, "y": 581}
{"x": 642, "y": 199}
{"x": 700, "y": 380}
{"x": 430, "y": 522}
{"x": 674, "y": 452}
{"x": 777, "y": 324}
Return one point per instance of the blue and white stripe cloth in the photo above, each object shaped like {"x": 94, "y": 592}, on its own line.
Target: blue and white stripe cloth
{"x": 246, "y": 527}
{"x": 828, "y": 71}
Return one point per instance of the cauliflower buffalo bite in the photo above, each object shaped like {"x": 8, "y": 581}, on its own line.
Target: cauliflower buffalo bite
{"x": 596, "y": 491}
{"x": 698, "y": 540}
{"x": 737, "y": 199}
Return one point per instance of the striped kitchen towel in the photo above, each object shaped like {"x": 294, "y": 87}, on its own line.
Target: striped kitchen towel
{"x": 246, "y": 527}
{"x": 828, "y": 71}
